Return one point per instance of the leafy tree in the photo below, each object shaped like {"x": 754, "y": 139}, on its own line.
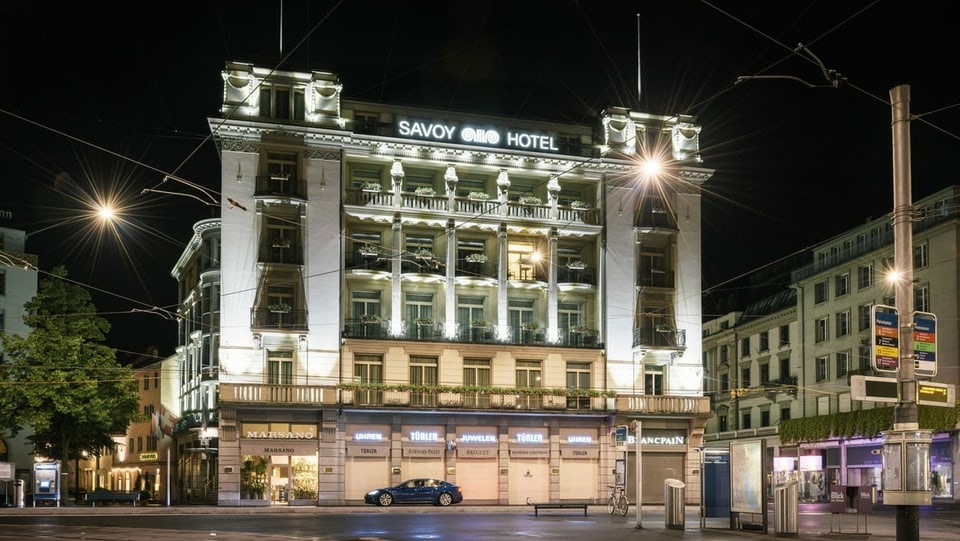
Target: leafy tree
{"x": 61, "y": 381}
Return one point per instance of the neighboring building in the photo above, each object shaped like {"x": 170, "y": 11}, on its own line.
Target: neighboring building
{"x": 18, "y": 285}
{"x": 411, "y": 292}
{"x": 195, "y": 415}
{"x": 829, "y": 328}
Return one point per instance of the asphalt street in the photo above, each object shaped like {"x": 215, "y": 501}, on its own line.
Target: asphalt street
{"x": 417, "y": 523}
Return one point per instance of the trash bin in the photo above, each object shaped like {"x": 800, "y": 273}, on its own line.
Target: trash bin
{"x": 674, "y": 504}
{"x": 18, "y": 493}
{"x": 786, "y": 508}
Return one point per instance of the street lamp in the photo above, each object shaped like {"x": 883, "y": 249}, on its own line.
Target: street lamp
{"x": 906, "y": 448}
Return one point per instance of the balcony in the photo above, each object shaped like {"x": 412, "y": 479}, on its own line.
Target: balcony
{"x": 471, "y": 333}
{"x": 286, "y": 186}
{"x": 462, "y": 397}
{"x": 655, "y": 278}
{"x": 660, "y": 337}
{"x": 472, "y": 207}
{"x": 266, "y": 319}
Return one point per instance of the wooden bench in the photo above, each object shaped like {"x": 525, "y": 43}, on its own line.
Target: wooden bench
{"x": 537, "y": 506}
{"x": 111, "y": 496}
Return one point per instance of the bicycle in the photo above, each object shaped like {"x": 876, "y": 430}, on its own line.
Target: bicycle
{"x": 618, "y": 502}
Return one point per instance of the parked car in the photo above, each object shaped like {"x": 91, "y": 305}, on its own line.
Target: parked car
{"x": 421, "y": 490}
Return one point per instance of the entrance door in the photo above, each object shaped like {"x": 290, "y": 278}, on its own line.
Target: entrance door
{"x": 279, "y": 479}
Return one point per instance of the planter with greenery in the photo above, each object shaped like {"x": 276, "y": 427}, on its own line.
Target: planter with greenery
{"x": 477, "y": 258}
{"x": 479, "y": 196}
{"x": 280, "y": 308}
{"x": 425, "y": 190}
{"x": 530, "y": 200}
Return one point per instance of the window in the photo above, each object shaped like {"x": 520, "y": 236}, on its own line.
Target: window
{"x": 280, "y": 367}
{"x": 843, "y": 323}
{"x": 367, "y": 369}
{"x": 842, "y": 284}
{"x": 282, "y": 236}
{"x": 569, "y": 315}
{"x": 523, "y": 261}
{"x": 470, "y": 310}
{"x": 843, "y": 364}
{"x": 282, "y": 102}
{"x": 724, "y": 383}
{"x": 578, "y": 377}
{"x": 413, "y": 180}
{"x": 864, "y": 353}
{"x": 366, "y": 305}
{"x": 653, "y": 379}
{"x": 476, "y": 372}
{"x": 745, "y": 377}
{"x": 745, "y": 347}
{"x": 746, "y": 421}
{"x": 784, "y": 368}
{"x": 765, "y": 341}
{"x": 921, "y": 256}
{"x": 467, "y": 184}
{"x": 820, "y": 292}
{"x": 3, "y": 282}
{"x": 529, "y": 375}
{"x": 764, "y": 373}
{"x": 822, "y": 329}
{"x": 865, "y": 276}
{"x": 423, "y": 372}
{"x": 468, "y": 252}
{"x": 722, "y": 423}
{"x": 823, "y": 367}
{"x": 921, "y": 298}
{"x": 520, "y": 312}
{"x": 765, "y": 418}
{"x": 863, "y": 317}
{"x": 784, "y": 335}
{"x": 785, "y": 413}
{"x": 366, "y": 178}
{"x": 419, "y": 308}
{"x": 724, "y": 355}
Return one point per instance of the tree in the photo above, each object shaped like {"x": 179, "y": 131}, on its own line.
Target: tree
{"x": 61, "y": 381}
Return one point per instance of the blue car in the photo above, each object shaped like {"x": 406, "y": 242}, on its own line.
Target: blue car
{"x": 423, "y": 490}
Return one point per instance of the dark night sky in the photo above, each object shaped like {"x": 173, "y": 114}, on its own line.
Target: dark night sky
{"x": 97, "y": 100}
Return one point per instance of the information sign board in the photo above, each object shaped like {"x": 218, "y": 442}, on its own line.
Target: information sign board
{"x": 886, "y": 338}
{"x": 925, "y": 343}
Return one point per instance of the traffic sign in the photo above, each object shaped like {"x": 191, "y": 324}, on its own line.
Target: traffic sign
{"x": 925, "y": 343}
{"x": 886, "y": 338}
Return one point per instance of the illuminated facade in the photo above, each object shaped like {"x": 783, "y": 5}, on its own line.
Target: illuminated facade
{"x": 408, "y": 292}
{"x": 792, "y": 355}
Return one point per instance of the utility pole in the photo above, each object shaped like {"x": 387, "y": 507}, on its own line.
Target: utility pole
{"x": 906, "y": 449}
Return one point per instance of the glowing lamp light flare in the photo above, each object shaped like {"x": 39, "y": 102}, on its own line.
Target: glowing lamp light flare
{"x": 651, "y": 168}
{"x": 105, "y": 213}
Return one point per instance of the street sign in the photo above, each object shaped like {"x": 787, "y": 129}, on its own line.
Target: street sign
{"x": 874, "y": 389}
{"x": 936, "y": 394}
{"x": 925, "y": 343}
{"x": 886, "y": 338}
{"x": 620, "y": 437}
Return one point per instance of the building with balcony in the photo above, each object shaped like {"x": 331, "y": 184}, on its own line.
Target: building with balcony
{"x": 18, "y": 285}
{"x": 408, "y": 292}
{"x": 792, "y": 355}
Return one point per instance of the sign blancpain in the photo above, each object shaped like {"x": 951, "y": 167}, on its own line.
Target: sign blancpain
{"x": 452, "y": 133}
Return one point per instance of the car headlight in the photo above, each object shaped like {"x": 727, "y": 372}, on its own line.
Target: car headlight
{"x": 372, "y": 493}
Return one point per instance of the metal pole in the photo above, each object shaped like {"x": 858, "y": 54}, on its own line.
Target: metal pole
{"x": 639, "y": 474}
{"x": 168, "y": 476}
{"x": 905, "y": 414}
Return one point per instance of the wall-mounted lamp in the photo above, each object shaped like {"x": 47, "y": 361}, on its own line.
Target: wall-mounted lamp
{"x": 303, "y": 342}
{"x": 257, "y": 341}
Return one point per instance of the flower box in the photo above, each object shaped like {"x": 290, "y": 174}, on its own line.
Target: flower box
{"x": 576, "y": 265}
{"x": 530, "y": 200}
{"x": 424, "y": 190}
{"x": 477, "y": 258}
{"x": 424, "y": 253}
{"x": 369, "y": 251}
{"x": 371, "y": 187}
{"x": 279, "y": 308}
{"x": 479, "y": 196}
{"x": 281, "y": 243}
{"x": 424, "y": 321}
{"x": 580, "y": 205}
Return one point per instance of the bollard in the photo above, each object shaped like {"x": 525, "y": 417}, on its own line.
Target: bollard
{"x": 18, "y": 493}
{"x": 674, "y": 504}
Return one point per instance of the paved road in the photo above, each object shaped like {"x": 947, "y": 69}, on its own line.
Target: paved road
{"x": 419, "y": 523}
